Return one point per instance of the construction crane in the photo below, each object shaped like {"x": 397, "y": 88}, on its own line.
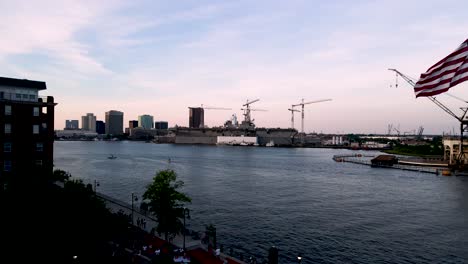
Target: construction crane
{"x": 292, "y": 115}
{"x": 463, "y": 123}
{"x": 420, "y": 132}
{"x": 247, "y": 117}
{"x": 389, "y": 129}
{"x": 261, "y": 110}
{"x": 432, "y": 98}
{"x": 202, "y": 117}
{"x": 214, "y": 108}
{"x": 303, "y": 104}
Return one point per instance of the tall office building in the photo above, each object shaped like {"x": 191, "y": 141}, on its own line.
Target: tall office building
{"x": 196, "y": 117}
{"x": 88, "y": 122}
{"x": 161, "y": 125}
{"x": 145, "y": 121}
{"x": 26, "y": 128}
{"x": 114, "y": 122}
{"x": 100, "y": 127}
{"x": 71, "y": 124}
{"x": 132, "y": 124}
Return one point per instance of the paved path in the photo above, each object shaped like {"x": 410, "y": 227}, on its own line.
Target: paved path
{"x": 115, "y": 206}
{"x": 195, "y": 248}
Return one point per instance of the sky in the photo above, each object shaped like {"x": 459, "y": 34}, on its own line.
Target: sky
{"x": 161, "y": 57}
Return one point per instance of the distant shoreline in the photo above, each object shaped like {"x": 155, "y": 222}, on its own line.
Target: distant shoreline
{"x": 195, "y": 144}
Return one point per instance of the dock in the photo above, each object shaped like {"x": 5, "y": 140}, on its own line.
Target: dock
{"x": 366, "y": 160}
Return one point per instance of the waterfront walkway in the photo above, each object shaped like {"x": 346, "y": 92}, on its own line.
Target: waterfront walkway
{"x": 194, "y": 247}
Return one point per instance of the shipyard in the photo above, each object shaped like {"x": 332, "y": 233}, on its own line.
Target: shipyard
{"x": 409, "y": 149}
{"x": 234, "y": 132}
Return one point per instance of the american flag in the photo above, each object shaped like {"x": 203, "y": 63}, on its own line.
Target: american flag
{"x": 446, "y": 73}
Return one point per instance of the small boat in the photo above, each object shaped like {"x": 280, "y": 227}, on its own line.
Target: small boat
{"x": 112, "y": 157}
{"x": 446, "y": 173}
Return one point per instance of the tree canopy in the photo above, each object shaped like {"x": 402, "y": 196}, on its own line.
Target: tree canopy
{"x": 166, "y": 202}
{"x": 52, "y": 223}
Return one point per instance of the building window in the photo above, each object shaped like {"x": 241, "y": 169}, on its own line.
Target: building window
{"x": 25, "y": 96}
{"x": 2, "y": 95}
{"x": 39, "y": 147}
{"x": 38, "y": 162}
{"x": 18, "y": 96}
{"x": 7, "y": 165}
{"x": 7, "y": 109}
{"x": 44, "y": 126}
{"x": 35, "y": 129}
{"x": 36, "y": 111}
{"x": 44, "y": 110}
{"x": 32, "y": 96}
{"x": 7, "y": 147}
{"x": 7, "y": 128}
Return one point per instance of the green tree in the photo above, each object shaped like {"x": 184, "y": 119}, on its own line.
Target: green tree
{"x": 166, "y": 202}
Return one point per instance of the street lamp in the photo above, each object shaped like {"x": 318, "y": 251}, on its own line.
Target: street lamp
{"x": 96, "y": 184}
{"x": 134, "y": 198}
{"x": 299, "y": 259}
{"x": 185, "y": 211}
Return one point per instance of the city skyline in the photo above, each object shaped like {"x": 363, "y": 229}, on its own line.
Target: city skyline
{"x": 160, "y": 59}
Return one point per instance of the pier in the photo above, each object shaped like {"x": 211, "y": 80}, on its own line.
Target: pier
{"x": 366, "y": 160}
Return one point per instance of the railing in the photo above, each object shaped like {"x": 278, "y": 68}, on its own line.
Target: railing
{"x": 136, "y": 208}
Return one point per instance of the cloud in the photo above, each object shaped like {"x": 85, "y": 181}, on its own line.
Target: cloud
{"x": 48, "y": 28}
{"x": 159, "y": 58}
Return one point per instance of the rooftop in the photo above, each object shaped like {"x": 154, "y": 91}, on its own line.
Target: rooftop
{"x": 23, "y": 83}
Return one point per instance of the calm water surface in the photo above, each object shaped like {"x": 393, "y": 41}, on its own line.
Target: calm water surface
{"x": 299, "y": 200}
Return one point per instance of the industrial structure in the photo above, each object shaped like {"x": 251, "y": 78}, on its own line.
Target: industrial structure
{"x": 302, "y": 104}
{"x": 248, "y": 122}
{"x": 461, "y": 159}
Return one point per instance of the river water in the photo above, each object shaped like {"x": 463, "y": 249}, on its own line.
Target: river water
{"x": 299, "y": 200}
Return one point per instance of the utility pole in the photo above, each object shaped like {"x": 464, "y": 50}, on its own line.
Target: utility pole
{"x": 186, "y": 212}
{"x": 134, "y": 198}
{"x": 96, "y": 184}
